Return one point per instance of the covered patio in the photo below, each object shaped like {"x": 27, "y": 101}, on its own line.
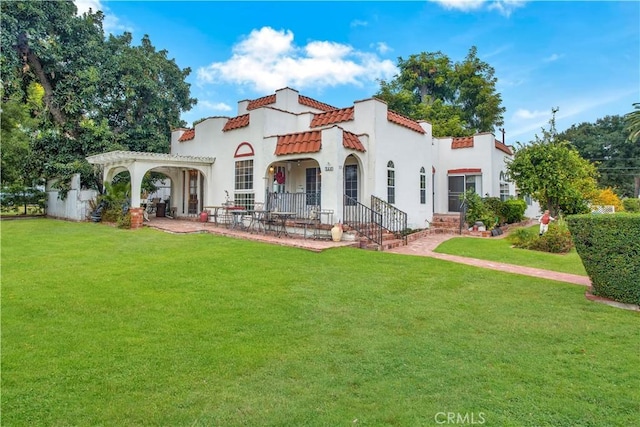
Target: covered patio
{"x": 180, "y": 226}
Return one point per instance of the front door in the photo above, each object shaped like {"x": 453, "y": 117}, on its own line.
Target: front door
{"x": 456, "y": 189}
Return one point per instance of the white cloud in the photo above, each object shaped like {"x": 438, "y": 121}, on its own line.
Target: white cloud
{"x": 553, "y": 57}
{"x": 268, "y": 60}
{"x": 217, "y": 106}
{"x": 84, "y": 5}
{"x": 382, "y": 47}
{"x": 463, "y": 5}
{"x": 110, "y": 24}
{"x": 523, "y": 114}
{"x": 505, "y": 7}
{"x": 358, "y": 23}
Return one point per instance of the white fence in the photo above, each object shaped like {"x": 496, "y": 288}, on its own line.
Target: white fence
{"x": 75, "y": 206}
{"x": 603, "y": 209}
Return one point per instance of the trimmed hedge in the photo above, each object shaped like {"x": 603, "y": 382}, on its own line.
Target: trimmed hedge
{"x": 631, "y": 205}
{"x": 609, "y": 246}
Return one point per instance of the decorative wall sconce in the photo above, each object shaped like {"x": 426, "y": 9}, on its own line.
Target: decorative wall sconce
{"x": 271, "y": 169}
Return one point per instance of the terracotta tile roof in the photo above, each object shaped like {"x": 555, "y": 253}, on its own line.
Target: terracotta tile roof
{"x": 351, "y": 140}
{"x": 295, "y": 143}
{"x": 189, "y": 134}
{"x": 261, "y": 102}
{"x": 305, "y": 100}
{"x": 396, "y": 118}
{"x": 236, "y": 122}
{"x": 503, "y": 147}
{"x": 462, "y": 142}
{"x": 464, "y": 170}
{"x": 333, "y": 116}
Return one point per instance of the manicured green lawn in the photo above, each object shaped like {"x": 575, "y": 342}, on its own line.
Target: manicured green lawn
{"x": 102, "y": 326}
{"x": 499, "y": 249}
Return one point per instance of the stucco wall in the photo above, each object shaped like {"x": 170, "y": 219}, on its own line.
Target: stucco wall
{"x": 75, "y": 206}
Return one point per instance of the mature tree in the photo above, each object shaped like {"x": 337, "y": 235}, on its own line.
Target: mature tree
{"x": 552, "y": 172}
{"x": 632, "y": 120}
{"x": 606, "y": 144}
{"x": 459, "y": 99}
{"x": 99, "y": 95}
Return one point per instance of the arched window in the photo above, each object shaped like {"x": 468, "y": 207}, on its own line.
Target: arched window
{"x": 423, "y": 186}
{"x": 391, "y": 183}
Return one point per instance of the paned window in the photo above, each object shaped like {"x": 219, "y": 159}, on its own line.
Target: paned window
{"x": 243, "y": 195}
{"x": 351, "y": 182}
{"x": 313, "y": 186}
{"x": 423, "y": 186}
{"x": 391, "y": 183}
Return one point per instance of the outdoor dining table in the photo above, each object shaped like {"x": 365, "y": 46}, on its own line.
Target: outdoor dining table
{"x": 237, "y": 215}
{"x": 258, "y": 220}
{"x": 280, "y": 220}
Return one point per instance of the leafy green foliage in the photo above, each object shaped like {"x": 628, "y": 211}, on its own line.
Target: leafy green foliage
{"x": 632, "y": 120}
{"x": 477, "y": 210}
{"x": 631, "y": 205}
{"x": 513, "y": 210}
{"x": 25, "y": 199}
{"x": 605, "y": 143}
{"x": 553, "y": 173}
{"x": 116, "y": 199}
{"x": 459, "y": 99}
{"x": 89, "y": 94}
{"x": 609, "y": 246}
{"x": 557, "y": 240}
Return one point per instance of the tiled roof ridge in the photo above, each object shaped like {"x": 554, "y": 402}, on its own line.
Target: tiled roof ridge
{"x": 309, "y": 141}
{"x": 261, "y": 102}
{"x": 352, "y": 141}
{"x": 333, "y": 116}
{"x": 503, "y": 147}
{"x": 461, "y": 142}
{"x": 310, "y": 102}
{"x": 188, "y": 135}
{"x": 401, "y": 120}
{"x": 236, "y": 122}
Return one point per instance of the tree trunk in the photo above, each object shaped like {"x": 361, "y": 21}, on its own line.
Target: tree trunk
{"x": 636, "y": 186}
{"x": 34, "y": 63}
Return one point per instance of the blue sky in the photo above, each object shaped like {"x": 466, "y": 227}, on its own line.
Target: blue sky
{"x": 580, "y": 56}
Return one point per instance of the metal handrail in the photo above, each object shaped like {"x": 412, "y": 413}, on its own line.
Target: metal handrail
{"x": 393, "y": 219}
{"x": 463, "y": 213}
{"x": 363, "y": 219}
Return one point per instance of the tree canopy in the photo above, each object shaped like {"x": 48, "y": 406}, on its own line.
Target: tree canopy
{"x": 607, "y": 144}
{"x": 553, "y": 173}
{"x": 459, "y": 99}
{"x": 98, "y": 94}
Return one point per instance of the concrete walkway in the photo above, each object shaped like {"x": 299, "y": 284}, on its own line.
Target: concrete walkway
{"x": 426, "y": 245}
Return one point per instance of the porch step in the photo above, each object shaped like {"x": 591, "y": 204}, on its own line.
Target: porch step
{"x": 445, "y": 223}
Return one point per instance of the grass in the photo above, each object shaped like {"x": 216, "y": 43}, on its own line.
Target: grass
{"x": 102, "y": 326}
{"x": 500, "y": 250}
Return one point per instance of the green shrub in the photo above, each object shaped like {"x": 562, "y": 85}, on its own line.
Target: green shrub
{"x": 631, "y": 204}
{"x": 496, "y": 208}
{"x": 514, "y": 210}
{"x": 556, "y": 240}
{"x": 523, "y": 237}
{"x": 609, "y": 247}
{"x": 476, "y": 210}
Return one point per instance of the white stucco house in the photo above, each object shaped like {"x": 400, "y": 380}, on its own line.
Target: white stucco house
{"x": 337, "y": 159}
